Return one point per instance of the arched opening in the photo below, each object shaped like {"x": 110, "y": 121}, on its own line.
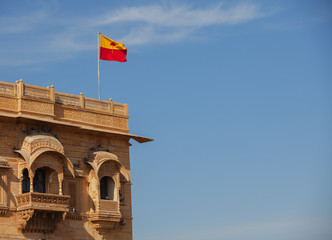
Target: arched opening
{"x": 107, "y": 187}
{"x": 25, "y": 181}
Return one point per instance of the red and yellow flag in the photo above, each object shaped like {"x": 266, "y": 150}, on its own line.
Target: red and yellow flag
{"x": 111, "y": 50}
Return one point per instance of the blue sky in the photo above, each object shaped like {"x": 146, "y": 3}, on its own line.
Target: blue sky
{"x": 236, "y": 94}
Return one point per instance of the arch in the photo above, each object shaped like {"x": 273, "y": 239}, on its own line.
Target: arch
{"x": 34, "y": 146}
{"x": 102, "y": 157}
{"x": 122, "y": 169}
{"x": 64, "y": 160}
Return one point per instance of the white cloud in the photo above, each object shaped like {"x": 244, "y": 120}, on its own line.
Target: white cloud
{"x": 182, "y": 16}
{"x": 157, "y": 24}
{"x": 43, "y": 31}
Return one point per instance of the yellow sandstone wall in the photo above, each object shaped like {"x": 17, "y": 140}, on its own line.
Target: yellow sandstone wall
{"x": 77, "y": 145}
{"x": 84, "y": 127}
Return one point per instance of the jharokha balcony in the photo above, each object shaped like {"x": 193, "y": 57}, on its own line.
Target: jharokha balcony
{"x": 42, "y": 201}
{"x": 40, "y": 212}
{"x": 107, "y": 217}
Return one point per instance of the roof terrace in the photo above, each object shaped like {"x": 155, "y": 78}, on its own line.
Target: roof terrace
{"x": 45, "y": 104}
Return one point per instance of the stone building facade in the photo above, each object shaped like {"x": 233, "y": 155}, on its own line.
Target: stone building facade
{"x": 64, "y": 165}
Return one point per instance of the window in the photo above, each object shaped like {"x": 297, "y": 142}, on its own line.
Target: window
{"x": 107, "y": 188}
{"x": 39, "y": 181}
{"x": 25, "y": 181}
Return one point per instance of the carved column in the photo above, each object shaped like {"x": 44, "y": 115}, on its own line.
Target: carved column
{"x": 31, "y": 175}
{"x": 60, "y": 177}
{"x": 20, "y": 183}
{"x": 98, "y": 194}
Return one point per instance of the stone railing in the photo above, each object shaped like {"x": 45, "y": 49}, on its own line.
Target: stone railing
{"x": 109, "y": 205}
{"x": 7, "y": 88}
{"x": 91, "y": 103}
{"x": 67, "y": 99}
{"x": 36, "y": 92}
{"x": 43, "y": 201}
{"x": 44, "y": 102}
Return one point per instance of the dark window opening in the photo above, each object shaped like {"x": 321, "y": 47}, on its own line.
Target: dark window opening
{"x": 39, "y": 181}
{"x": 25, "y": 181}
{"x": 107, "y": 188}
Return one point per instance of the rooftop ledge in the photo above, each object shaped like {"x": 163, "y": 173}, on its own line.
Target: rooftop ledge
{"x": 45, "y": 104}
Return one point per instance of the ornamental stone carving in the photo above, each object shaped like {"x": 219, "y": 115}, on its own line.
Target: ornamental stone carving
{"x": 23, "y": 217}
{"x": 35, "y": 145}
{"x": 32, "y": 143}
{"x": 106, "y": 216}
{"x": 101, "y": 157}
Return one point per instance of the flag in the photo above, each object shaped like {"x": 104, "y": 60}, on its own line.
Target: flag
{"x": 111, "y": 50}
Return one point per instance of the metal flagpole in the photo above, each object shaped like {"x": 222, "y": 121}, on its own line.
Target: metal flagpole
{"x": 98, "y": 64}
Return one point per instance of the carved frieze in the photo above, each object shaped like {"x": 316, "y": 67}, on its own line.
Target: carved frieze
{"x": 37, "y": 106}
{"x": 91, "y": 117}
{"x": 8, "y": 103}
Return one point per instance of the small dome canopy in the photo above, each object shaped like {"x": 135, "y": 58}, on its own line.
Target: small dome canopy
{"x": 36, "y": 142}
{"x": 102, "y": 157}
{"x": 35, "y": 145}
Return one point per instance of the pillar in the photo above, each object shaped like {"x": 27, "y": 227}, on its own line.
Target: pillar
{"x": 31, "y": 175}
{"x": 98, "y": 197}
{"x": 60, "y": 178}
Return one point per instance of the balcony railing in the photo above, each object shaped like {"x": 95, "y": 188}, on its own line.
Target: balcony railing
{"x": 43, "y": 201}
{"x": 109, "y": 205}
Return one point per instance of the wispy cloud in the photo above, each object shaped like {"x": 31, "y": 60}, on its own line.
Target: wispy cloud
{"x": 168, "y": 24}
{"x": 44, "y": 32}
{"x": 22, "y": 23}
{"x": 182, "y": 15}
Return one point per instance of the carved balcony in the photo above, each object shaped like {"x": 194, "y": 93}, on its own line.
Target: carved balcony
{"x": 42, "y": 201}
{"x": 108, "y": 217}
{"x": 40, "y": 212}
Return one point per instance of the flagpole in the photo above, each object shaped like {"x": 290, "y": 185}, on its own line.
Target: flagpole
{"x": 98, "y": 64}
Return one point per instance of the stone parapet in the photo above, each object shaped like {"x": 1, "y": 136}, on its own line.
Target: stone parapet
{"x": 45, "y": 104}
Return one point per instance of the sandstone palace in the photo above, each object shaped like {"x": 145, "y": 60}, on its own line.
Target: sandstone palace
{"x": 64, "y": 165}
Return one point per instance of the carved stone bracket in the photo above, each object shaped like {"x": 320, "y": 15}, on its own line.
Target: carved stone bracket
{"x": 40, "y": 212}
{"x": 105, "y": 226}
{"x": 39, "y": 221}
{"x": 23, "y": 217}
{"x": 104, "y": 222}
